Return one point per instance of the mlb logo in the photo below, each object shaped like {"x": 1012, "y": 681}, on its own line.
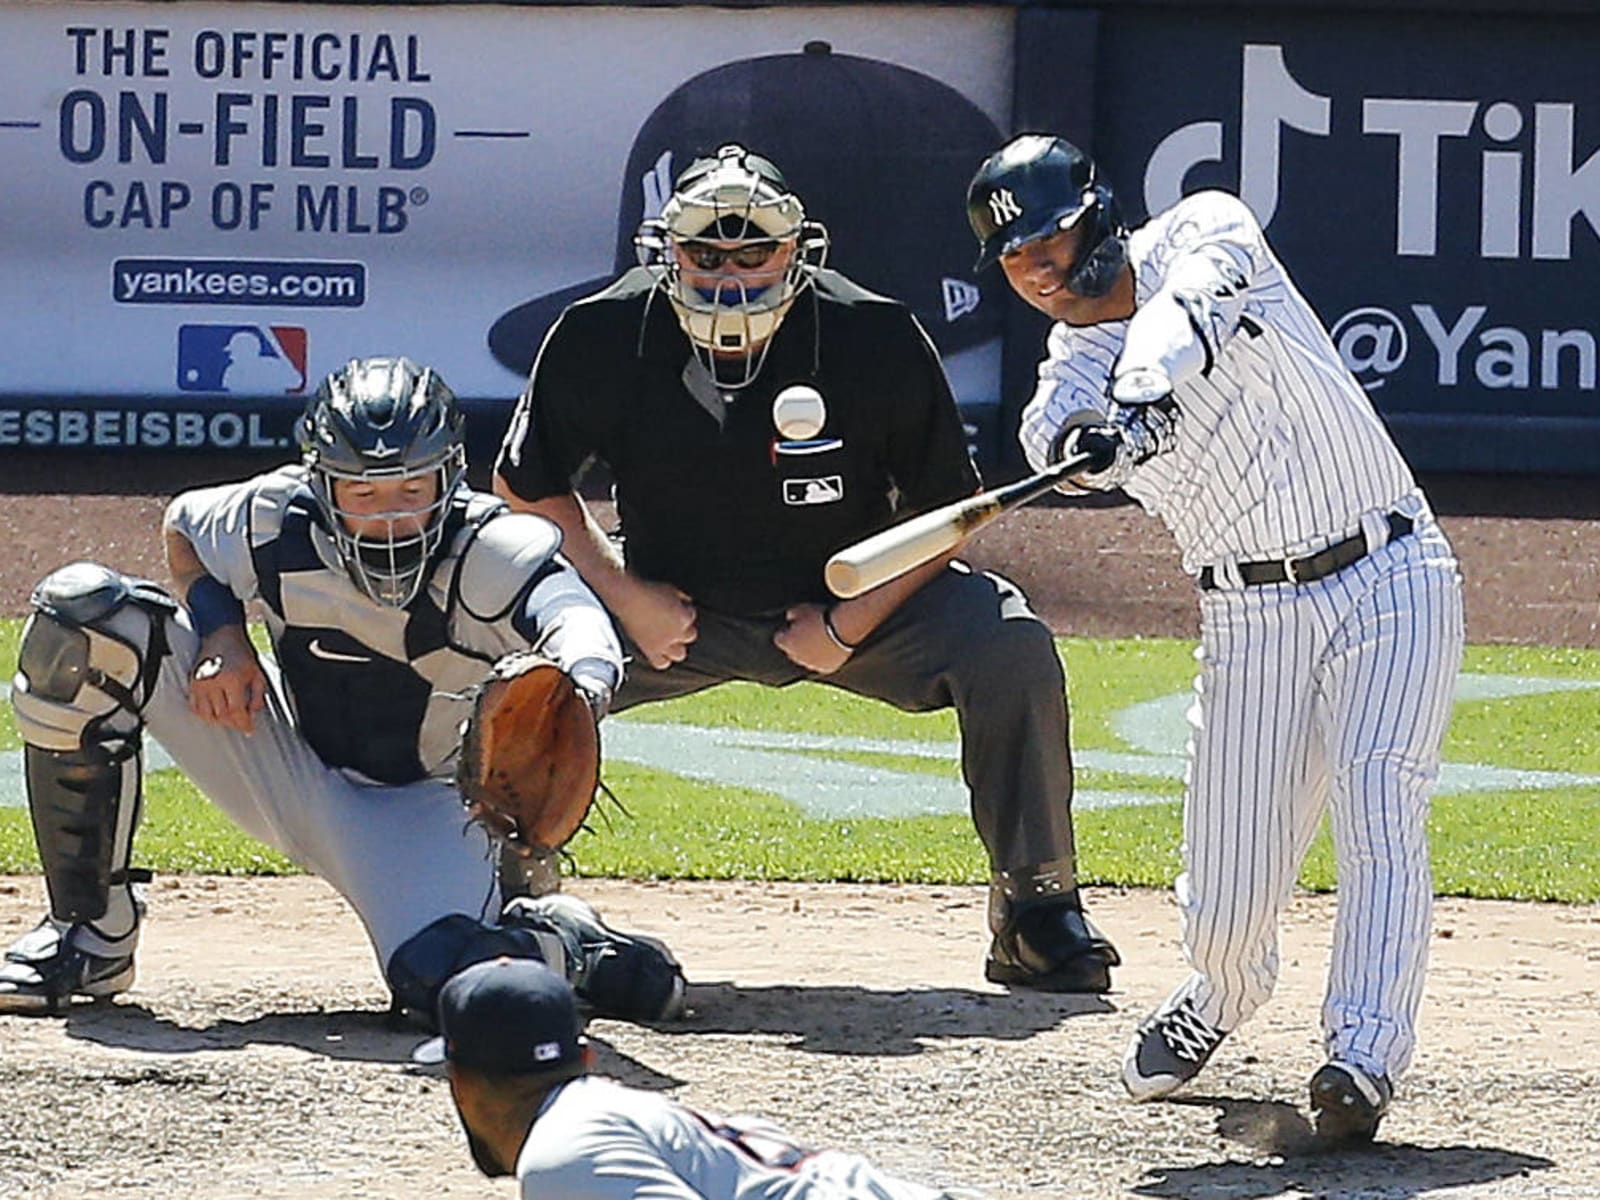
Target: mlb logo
{"x": 828, "y": 489}
{"x": 246, "y": 360}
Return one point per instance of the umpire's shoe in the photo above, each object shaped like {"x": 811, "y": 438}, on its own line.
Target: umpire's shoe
{"x": 630, "y": 976}
{"x": 46, "y": 967}
{"x": 1348, "y": 1103}
{"x": 1168, "y": 1049}
{"x": 1053, "y": 947}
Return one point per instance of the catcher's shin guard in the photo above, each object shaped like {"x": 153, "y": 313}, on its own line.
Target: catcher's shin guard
{"x": 86, "y": 667}
{"x": 628, "y": 976}
{"x": 1042, "y": 939}
{"x": 419, "y": 967}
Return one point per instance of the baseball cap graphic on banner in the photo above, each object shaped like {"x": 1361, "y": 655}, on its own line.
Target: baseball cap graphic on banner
{"x": 507, "y": 1016}
{"x": 878, "y": 153}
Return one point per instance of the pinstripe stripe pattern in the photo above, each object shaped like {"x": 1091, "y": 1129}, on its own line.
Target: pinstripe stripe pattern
{"x": 1279, "y": 449}
{"x": 1329, "y": 696}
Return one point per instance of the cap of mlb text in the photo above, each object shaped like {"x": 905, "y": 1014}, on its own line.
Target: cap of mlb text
{"x": 507, "y": 1016}
{"x": 877, "y": 152}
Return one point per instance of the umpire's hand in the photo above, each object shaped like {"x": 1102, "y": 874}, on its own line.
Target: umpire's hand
{"x": 805, "y": 641}
{"x": 228, "y": 686}
{"x": 658, "y": 618}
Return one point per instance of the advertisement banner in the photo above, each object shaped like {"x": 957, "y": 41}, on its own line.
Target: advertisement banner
{"x": 1432, "y": 184}
{"x": 210, "y": 206}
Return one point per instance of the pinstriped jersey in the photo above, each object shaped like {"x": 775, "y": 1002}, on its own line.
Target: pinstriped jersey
{"x": 1277, "y": 450}
{"x": 381, "y": 690}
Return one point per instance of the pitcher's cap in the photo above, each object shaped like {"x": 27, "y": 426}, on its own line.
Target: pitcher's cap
{"x": 507, "y": 1016}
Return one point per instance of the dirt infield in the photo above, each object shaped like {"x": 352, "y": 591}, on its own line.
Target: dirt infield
{"x": 254, "y": 1058}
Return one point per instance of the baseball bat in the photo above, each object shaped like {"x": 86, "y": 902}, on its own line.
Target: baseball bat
{"x": 892, "y": 552}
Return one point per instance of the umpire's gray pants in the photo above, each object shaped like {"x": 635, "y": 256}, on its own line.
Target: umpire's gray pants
{"x": 964, "y": 640}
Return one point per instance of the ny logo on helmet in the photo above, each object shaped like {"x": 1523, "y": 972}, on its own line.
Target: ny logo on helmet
{"x": 1003, "y": 206}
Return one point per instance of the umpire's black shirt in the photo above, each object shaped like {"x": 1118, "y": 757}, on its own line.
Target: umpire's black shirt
{"x": 731, "y": 513}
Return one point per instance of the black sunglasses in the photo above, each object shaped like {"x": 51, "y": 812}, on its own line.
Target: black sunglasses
{"x": 708, "y": 257}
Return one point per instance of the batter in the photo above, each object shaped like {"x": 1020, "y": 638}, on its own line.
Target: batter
{"x": 1199, "y": 380}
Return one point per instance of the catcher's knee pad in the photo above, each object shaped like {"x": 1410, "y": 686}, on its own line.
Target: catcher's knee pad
{"x": 86, "y": 667}
{"x": 621, "y": 975}
{"x": 419, "y": 967}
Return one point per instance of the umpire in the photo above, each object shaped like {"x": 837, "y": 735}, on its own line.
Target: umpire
{"x": 757, "y": 413}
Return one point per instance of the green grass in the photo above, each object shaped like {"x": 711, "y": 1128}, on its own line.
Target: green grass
{"x": 1515, "y": 844}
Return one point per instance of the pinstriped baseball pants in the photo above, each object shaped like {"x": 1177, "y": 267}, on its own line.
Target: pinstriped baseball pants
{"x": 1329, "y": 696}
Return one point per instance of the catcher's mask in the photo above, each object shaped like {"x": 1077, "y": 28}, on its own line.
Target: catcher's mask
{"x": 732, "y": 249}
{"x": 1035, "y": 186}
{"x": 384, "y": 419}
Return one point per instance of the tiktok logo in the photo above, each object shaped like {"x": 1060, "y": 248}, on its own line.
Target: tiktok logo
{"x": 1516, "y": 219}
{"x": 1271, "y": 98}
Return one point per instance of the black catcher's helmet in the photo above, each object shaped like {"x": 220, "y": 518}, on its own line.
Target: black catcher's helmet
{"x": 384, "y": 418}
{"x": 1034, "y": 186}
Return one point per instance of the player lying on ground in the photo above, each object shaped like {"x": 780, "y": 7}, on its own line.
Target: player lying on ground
{"x": 1186, "y": 362}
{"x": 759, "y": 412}
{"x": 390, "y": 590}
{"x": 512, "y": 1042}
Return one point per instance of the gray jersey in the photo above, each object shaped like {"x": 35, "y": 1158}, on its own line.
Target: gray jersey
{"x": 1277, "y": 448}
{"x": 406, "y": 672}
{"x": 597, "y": 1140}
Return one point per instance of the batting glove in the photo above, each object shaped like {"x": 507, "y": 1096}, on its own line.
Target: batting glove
{"x": 1140, "y": 386}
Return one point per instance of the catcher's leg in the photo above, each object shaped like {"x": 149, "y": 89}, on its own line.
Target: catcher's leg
{"x": 87, "y": 664}
{"x": 621, "y": 975}
{"x": 616, "y": 975}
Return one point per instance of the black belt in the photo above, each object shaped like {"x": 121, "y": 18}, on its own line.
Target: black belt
{"x": 1313, "y": 567}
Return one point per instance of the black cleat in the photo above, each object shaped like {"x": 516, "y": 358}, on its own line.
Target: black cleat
{"x": 45, "y": 969}
{"x": 623, "y": 975}
{"x": 1051, "y": 947}
{"x": 1167, "y": 1051}
{"x": 1348, "y": 1103}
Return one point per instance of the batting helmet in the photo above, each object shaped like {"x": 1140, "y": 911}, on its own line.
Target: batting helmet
{"x": 1036, "y": 185}
{"x": 384, "y": 418}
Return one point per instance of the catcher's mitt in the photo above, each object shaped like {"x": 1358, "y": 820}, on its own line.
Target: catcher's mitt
{"x": 530, "y": 755}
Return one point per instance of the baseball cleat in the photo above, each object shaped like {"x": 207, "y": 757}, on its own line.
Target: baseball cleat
{"x": 624, "y": 975}
{"x": 45, "y": 969}
{"x": 1167, "y": 1051}
{"x": 1348, "y": 1103}
{"x": 1051, "y": 948}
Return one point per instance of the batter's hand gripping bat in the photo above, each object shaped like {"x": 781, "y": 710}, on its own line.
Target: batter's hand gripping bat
{"x": 892, "y": 552}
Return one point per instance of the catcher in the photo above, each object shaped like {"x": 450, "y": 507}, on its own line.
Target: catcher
{"x": 401, "y": 606}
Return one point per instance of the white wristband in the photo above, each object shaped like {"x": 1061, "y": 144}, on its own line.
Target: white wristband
{"x": 833, "y": 633}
